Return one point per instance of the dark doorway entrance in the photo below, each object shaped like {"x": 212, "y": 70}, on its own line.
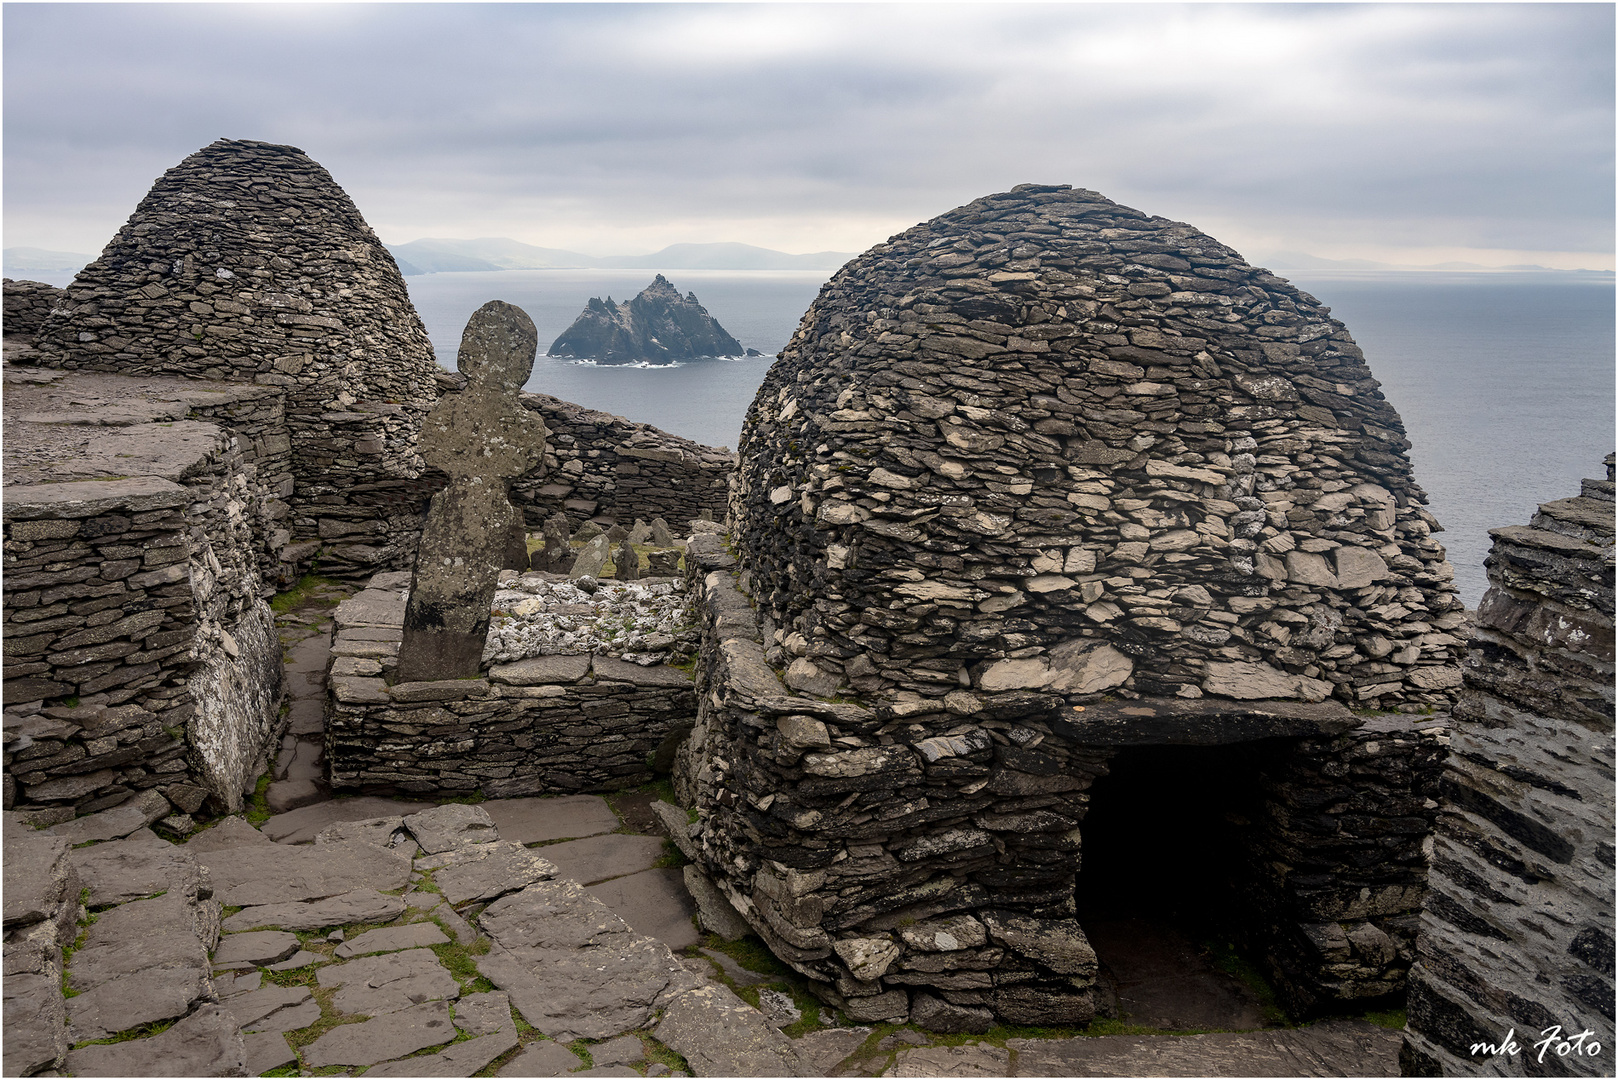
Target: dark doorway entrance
{"x": 1167, "y": 876}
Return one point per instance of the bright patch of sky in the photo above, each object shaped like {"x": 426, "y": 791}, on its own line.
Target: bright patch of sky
{"x": 1401, "y": 133}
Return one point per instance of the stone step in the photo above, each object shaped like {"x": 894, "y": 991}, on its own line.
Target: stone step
{"x": 1598, "y": 489}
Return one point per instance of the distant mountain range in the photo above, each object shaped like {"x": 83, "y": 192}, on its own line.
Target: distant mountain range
{"x": 1297, "y": 260}
{"x": 22, "y": 260}
{"x": 432, "y": 256}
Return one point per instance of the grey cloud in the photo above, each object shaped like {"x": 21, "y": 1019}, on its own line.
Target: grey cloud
{"x": 1487, "y": 126}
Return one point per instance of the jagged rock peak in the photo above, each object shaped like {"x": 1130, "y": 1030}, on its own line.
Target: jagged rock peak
{"x": 658, "y": 327}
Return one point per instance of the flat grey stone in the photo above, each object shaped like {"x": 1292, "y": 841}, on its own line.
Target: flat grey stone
{"x": 487, "y": 871}
{"x": 675, "y": 824}
{"x": 252, "y": 875}
{"x": 715, "y": 913}
{"x": 37, "y": 874}
{"x": 1329, "y": 1048}
{"x": 206, "y": 1043}
{"x": 267, "y": 1050}
{"x": 624, "y": 1050}
{"x": 255, "y": 947}
{"x": 383, "y": 1038}
{"x": 545, "y": 1058}
{"x": 300, "y": 826}
{"x": 968, "y": 1060}
{"x": 287, "y": 795}
{"x": 274, "y": 1008}
{"x": 36, "y": 1034}
{"x": 462, "y": 1059}
{"x": 719, "y": 1034}
{"x": 385, "y": 832}
{"x": 483, "y": 1014}
{"x": 542, "y": 671}
{"x": 392, "y": 939}
{"x": 140, "y": 962}
{"x": 136, "y": 812}
{"x": 301, "y": 958}
{"x": 607, "y": 1070}
{"x": 572, "y": 967}
{"x": 230, "y": 983}
{"x": 598, "y": 858}
{"x": 232, "y": 832}
{"x": 450, "y": 826}
{"x": 530, "y": 821}
{"x": 389, "y": 982}
{"x": 361, "y": 905}
{"x": 370, "y": 607}
{"x": 828, "y": 1048}
{"x": 615, "y": 670}
{"x": 459, "y": 928}
{"x": 655, "y": 903}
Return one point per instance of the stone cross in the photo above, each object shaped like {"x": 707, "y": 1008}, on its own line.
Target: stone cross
{"x": 484, "y": 439}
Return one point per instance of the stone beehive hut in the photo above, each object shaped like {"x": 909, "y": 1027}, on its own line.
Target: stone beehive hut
{"x": 1048, "y": 442}
{"x": 247, "y": 262}
{"x": 1060, "y": 523}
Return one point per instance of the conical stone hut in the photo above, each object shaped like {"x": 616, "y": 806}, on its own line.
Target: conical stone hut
{"x": 1063, "y": 526}
{"x": 247, "y": 262}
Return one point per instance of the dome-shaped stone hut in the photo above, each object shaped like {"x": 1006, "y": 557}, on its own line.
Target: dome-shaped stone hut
{"x": 247, "y": 262}
{"x": 1048, "y": 442}
{"x": 1062, "y": 525}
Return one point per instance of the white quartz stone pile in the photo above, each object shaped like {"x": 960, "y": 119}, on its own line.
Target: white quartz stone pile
{"x": 642, "y": 623}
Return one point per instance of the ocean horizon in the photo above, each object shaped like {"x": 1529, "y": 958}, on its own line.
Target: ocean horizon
{"x": 1504, "y": 380}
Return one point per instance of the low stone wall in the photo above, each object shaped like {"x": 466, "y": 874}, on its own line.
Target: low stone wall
{"x": 27, "y": 303}
{"x": 139, "y": 651}
{"x": 1518, "y": 935}
{"x": 609, "y": 468}
{"x": 919, "y": 858}
{"x": 546, "y": 725}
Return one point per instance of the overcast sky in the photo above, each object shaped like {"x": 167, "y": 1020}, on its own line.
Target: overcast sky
{"x": 1407, "y": 133}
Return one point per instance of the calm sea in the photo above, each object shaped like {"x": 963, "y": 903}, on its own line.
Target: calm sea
{"x": 1505, "y": 381}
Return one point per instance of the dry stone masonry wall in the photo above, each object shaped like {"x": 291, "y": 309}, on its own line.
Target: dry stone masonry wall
{"x": 247, "y": 262}
{"x": 139, "y": 653}
{"x": 1036, "y": 485}
{"x": 27, "y": 303}
{"x": 603, "y": 466}
{"x": 541, "y": 725}
{"x": 1048, "y": 442}
{"x": 1518, "y": 934}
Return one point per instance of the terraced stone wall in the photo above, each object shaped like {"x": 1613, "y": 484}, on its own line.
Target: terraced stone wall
{"x": 1518, "y": 934}
{"x": 27, "y": 303}
{"x": 921, "y": 858}
{"x": 139, "y": 654}
{"x": 247, "y": 262}
{"x": 541, "y": 726}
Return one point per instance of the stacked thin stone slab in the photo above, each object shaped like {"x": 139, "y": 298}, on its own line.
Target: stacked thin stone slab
{"x": 27, "y": 303}
{"x": 248, "y": 262}
{"x": 1035, "y": 482}
{"x": 1518, "y": 933}
{"x": 1047, "y": 442}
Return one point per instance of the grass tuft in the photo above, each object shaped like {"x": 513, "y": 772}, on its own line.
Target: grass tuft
{"x": 302, "y": 594}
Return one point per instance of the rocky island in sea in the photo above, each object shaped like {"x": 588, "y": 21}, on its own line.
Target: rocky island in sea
{"x": 657, "y": 327}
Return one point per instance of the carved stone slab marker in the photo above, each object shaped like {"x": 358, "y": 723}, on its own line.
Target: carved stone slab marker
{"x": 483, "y": 438}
